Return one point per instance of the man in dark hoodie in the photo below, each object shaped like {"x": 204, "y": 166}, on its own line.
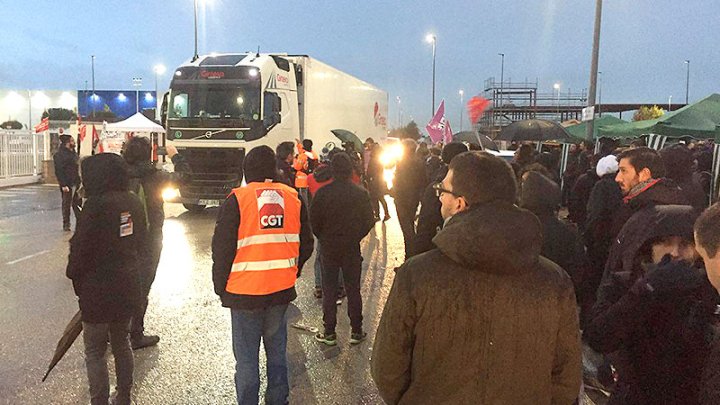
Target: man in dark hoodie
{"x": 430, "y": 219}
{"x": 106, "y": 258}
{"x": 657, "y": 329}
{"x": 262, "y": 240}
{"x": 66, "y": 171}
{"x": 408, "y": 186}
{"x": 341, "y": 216}
{"x": 285, "y": 153}
{"x": 561, "y": 241}
{"x": 483, "y": 318}
{"x": 148, "y": 182}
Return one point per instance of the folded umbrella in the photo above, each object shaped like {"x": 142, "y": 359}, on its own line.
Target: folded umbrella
{"x": 72, "y": 330}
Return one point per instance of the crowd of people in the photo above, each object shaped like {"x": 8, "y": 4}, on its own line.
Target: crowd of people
{"x": 499, "y": 288}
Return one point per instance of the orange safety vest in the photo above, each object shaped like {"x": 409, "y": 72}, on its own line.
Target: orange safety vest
{"x": 268, "y": 243}
{"x": 301, "y": 166}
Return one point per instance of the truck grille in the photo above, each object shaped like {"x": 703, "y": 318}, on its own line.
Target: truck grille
{"x": 215, "y": 172}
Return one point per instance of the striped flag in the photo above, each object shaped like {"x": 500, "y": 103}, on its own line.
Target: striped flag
{"x": 43, "y": 126}
{"x": 656, "y": 141}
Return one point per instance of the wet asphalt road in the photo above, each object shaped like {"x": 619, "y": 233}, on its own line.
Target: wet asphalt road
{"x": 193, "y": 364}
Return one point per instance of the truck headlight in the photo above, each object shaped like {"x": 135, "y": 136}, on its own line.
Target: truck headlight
{"x": 170, "y": 194}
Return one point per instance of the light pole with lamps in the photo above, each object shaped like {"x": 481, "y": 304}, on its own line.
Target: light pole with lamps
{"x": 556, "y": 86}
{"x": 431, "y": 38}
{"x": 502, "y": 78}
{"x": 399, "y": 120}
{"x": 158, "y": 69}
{"x": 687, "y": 83}
{"x": 594, "y": 67}
{"x": 461, "y": 93}
{"x": 137, "y": 83}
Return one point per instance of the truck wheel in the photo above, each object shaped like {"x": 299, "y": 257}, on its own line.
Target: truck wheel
{"x": 194, "y": 207}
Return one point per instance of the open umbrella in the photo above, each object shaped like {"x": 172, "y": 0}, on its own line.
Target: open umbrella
{"x": 476, "y": 139}
{"x": 346, "y": 136}
{"x": 72, "y": 330}
{"x": 533, "y": 130}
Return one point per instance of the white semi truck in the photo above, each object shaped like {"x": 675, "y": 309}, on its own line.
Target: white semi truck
{"x": 222, "y": 105}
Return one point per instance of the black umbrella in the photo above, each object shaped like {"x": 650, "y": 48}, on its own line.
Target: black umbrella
{"x": 346, "y": 136}
{"x": 533, "y": 130}
{"x": 475, "y": 139}
{"x": 72, "y": 330}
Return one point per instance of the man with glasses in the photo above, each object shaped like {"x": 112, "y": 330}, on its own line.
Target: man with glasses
{"x": 483, "y": 313}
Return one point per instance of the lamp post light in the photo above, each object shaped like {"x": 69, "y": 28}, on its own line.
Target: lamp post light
{"x": 687, "y": 83}
{"x": 431, "y": 38}
{"x": 158, "y": 69}
{"x": 502, "y": 77}
{"x": 399, "y": 119}
{"x": 461, "y": 93}
{"x": 556, "y": 86}
{"x": 137, "y": 83}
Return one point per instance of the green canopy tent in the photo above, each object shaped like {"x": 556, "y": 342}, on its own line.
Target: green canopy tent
{"x": 579, "y": 131}
{"x": 699, "y": 120}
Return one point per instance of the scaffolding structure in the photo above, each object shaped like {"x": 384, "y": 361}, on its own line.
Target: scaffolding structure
{"x": 515, "y": 101}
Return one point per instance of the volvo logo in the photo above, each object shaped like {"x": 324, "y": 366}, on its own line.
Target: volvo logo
{"x": 208, "y": 134}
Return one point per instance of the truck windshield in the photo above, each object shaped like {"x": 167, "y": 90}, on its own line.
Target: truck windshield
{"x": 215, "y": 101}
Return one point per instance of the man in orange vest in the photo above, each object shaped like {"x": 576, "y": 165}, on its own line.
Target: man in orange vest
{"x": 262, "y": 240}
{"x": 304, "y": 164}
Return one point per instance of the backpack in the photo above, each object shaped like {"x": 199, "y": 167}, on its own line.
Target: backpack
{"x": 136, "y": 187}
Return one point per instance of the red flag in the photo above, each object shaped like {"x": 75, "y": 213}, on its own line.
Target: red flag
{"x": 476, "y": 106}
{"x": 96, "y": 140}
{"x": 81, "y": 128}
{"x": 43, "y": 126}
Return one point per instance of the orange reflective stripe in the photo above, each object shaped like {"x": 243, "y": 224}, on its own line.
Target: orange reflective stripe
{"x": 261, "y": 252}
{"x": 261, "y": 282}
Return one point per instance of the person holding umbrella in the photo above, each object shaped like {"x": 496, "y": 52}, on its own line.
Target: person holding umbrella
{"x": 104, "y": 264}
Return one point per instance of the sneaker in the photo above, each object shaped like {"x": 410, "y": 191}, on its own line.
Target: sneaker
{"x": 144, "y": 341}
{"x": 318, "y": 292}
{"x": 356, "y": 338}
{"x": 329, "y": 339}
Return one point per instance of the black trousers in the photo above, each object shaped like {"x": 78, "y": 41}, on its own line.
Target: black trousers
{"x": 406, "y": 211}
{"x": 147, "y": 276}
{"x": 350, "y": 263}
{"x": 68, "y": 198}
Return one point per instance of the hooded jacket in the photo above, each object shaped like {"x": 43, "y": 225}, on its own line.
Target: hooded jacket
{"x": 106, "y": 249}
{"x": 660, "y": 340}
{"x": 154, "y": 180}
{"x": 482, "y": 319}
{"x": 561, "y": 242}
{"x": 66, "y": 167}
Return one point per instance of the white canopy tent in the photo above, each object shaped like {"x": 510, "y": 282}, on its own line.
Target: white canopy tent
{"x": 136, "y": 123}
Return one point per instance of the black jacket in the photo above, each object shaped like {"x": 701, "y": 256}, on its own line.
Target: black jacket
{"x": 693, "y": 190}
{"x": 66, "y": 167}
{"x": 224, "y": 248}
{"x": 341, "y": 216}
{"x": 605, "y": 199}
{"x": 660, "y": 338}
{"x": 410, "y": 180}
{"x": 153, "y": 181}
{"x": 561, "y": 241}
{"x": 430, "y": 219}
{"x": 578, "y": 198}
{"x": 106, "y": 249}
{"x": 286, "y": 173}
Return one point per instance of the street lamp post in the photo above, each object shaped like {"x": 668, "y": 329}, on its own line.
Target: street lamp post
{"x": 669, "y": 103}
{"x": 92, "y": 102}
{"x": 600, "y": 93}
{"x": 432, "y": 39}
{"x": 556, "y": 86}
{"x": 399, "y": 119}
{"x": 158, "y": 70}
{"x": 137, "y": 82}
{"x": 195, "y": 56}
{"x": 462, "y": 93}
{"x": 594, "y": 67}
{"x": 502, "y": 77}
{"x": 687, "y": 83}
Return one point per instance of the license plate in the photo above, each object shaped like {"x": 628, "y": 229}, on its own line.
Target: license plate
{"x": 209, "y": 202}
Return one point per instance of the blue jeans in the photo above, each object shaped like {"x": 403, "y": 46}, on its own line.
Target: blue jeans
{"x": 248, "y": 326}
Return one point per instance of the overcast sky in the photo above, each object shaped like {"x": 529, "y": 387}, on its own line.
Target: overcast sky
{"x": 644, "y": 43}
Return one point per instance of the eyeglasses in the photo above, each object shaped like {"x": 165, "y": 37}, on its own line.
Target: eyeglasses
{"x": 438, "y": 187}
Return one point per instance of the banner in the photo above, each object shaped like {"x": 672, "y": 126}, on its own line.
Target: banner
{"x": 43, "y": 126}
{"x": 439, "y": 127}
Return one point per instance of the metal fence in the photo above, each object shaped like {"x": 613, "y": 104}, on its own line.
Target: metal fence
{"x": 21, "y": 153}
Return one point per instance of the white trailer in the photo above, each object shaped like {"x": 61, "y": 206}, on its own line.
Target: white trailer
{"x": 222, "y": 105}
